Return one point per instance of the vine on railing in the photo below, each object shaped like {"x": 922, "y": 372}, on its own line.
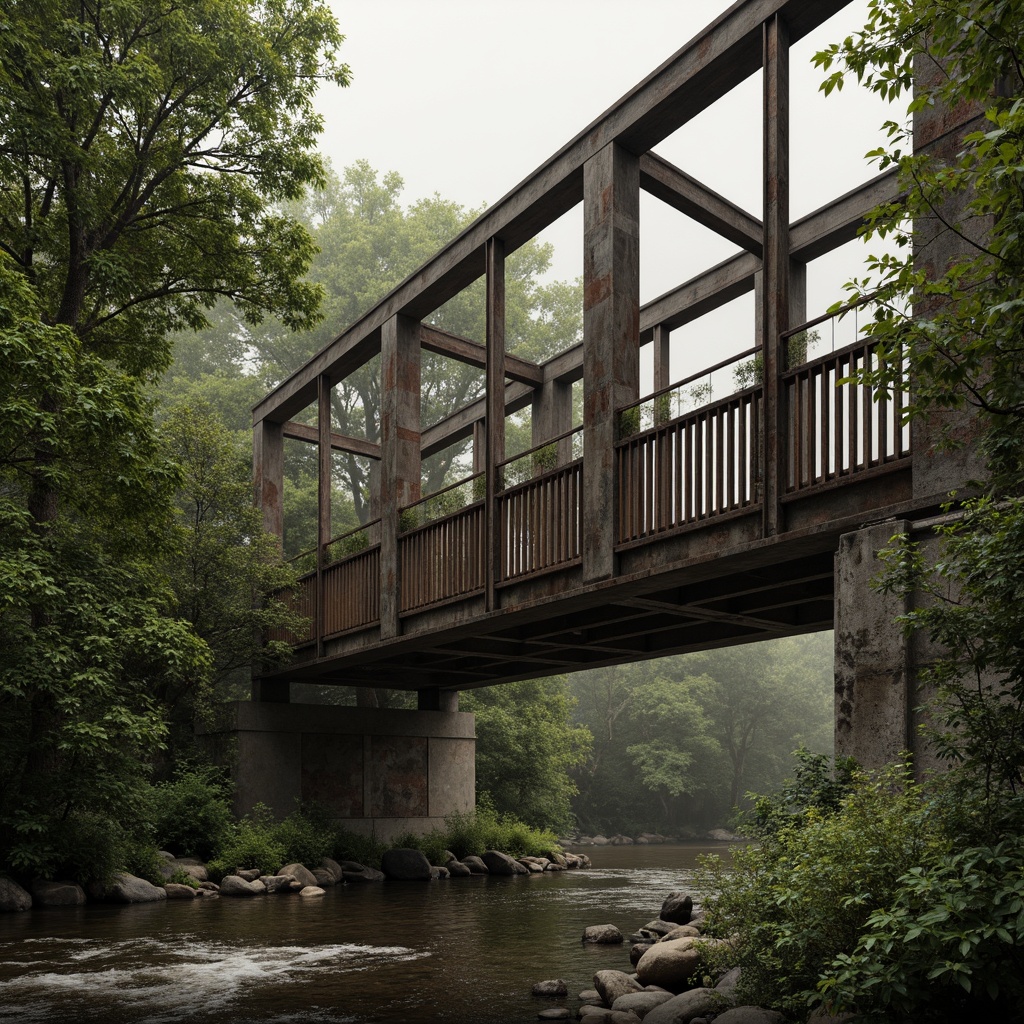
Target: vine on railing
{"x": 352, "y": 542}
{"x": 444, "y": 502}
{"x": 677, "y": 399}
{"x": 559, "y": 451}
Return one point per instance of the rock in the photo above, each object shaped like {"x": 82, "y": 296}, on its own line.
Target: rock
{"x": 12, "y": 897}
{"x": 620, "y": 840}
{"x": 202, "y": 893}
{"x": 499, "y": 863}
{"x": 681, "y": 931}
{"x": 439, "y": 872}
{"x": 555, "y": 988}
{"x": 535, "y": 867}
{"x": 448, "y": 856}
{"x": 557, "y": 858}
{"x": 659, "y": 927}
{"x": 677, "y": 908}
{"x": 196, "y": 871}
{"x": 728, "y": 982}
{"x": 612, "y": 984}
{"x": 637, "y": 950}
{"x": 209, "y": 886}
{"x": 821, "y": 1016}
{"x": 164, "y": 855}
{"x": 592, "y": 996}
{"x": 125, "y": 888}
{"x": 721, "y": 835}
{"x": 600, "y": 840}
{"x": 554, "y": 866}
{"x": 249, "y": 874}
{"x": 235, "y": 885}
{"x": 475, "y": 865}
{"x": 682, "y": 1009}
{"x": 554, "y": 1013}
{"x": 58, "y": 894}
{"x": 324, "y": 878}
{"x": 640, "y": 841}
{"x": 456, "y": 869}
{"x": 312, "y": 890}
{"x": 280, "y": 883}
{"x": 177, "y": 891}
{"x": 641, "y": 1003}
{"x": 669, "y": 964}
{"x": 335, "y": 869}
{"x": 605, "y": 934}
{"x": 363, "y": 874}
{"x": 758, "y": 1015}
{"x": 599, "y": 1015}
{"x": 300, "y": 873}
{"x": 405, "y": 865}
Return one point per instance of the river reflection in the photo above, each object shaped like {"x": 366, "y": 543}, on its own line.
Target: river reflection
{"x": 464, "y": 951}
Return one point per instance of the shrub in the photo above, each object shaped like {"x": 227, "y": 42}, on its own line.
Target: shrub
{"x": 802, "y": 898}
{"x": 251, "y": 843}
{"x": 358, "y": 847}
{"x": 948, "y": 946}
{"x": 181, "y": 877}
{"x": 191, "y": 813}
{"x": 307, "y": 837}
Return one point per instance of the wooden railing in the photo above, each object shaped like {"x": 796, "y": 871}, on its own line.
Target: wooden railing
{"x": 699, "y": 465}
{"x": 540, "y": 522}
{"x": 837, "y": 430}
{"x": 351, "y": 588}
{"x": 441, "y": 549}
{"x": 300, "y": 600}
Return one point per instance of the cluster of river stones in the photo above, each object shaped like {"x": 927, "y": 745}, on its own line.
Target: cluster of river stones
{"x": 396, "y": 865}
{"x": 674, "y": 981}
{"x": 719, "y": 835}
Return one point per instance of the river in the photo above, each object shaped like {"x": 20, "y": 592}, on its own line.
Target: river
{"x": 463, "y": 951}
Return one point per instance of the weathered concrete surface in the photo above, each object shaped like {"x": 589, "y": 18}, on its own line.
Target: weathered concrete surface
{"x": 383, "y": 770}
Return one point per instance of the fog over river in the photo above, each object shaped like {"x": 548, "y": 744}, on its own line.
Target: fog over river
{"x": 462, "y": 951}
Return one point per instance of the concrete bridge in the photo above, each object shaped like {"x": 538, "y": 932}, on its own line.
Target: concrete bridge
{"x": 642, "y": 531}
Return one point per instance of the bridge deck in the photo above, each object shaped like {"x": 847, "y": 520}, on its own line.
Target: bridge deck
{"x": 640, "y": 532}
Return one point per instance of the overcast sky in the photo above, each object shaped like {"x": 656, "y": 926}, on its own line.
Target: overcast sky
{"x": 466, "y": 97}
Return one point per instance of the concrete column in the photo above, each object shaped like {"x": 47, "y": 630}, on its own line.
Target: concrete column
{"x": 400, "y": 452}
{"x": 551, "y": 416}
{"x": 775, "y": 274}
{"x": 435, "y": 699}
{"x": 662, "y": 353}
{"x": 874, "y": 681}
{"x": 268, "y": 474}
{"x": 611, "y": 338}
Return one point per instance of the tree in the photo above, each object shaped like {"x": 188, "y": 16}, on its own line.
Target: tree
{"x": 86, "y": 632}
{"x": 144, "y": 149}
{"x": 223, "y": 569}
{"x": 526, "y": 747}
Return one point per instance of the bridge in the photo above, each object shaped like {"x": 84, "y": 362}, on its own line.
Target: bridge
{"x": 661, "y": 523}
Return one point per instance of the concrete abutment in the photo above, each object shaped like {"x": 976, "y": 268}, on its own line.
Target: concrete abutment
{"x": 380, "y": 771}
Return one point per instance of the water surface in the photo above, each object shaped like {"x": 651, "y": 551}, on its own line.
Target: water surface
{"x": 463, "y": 951}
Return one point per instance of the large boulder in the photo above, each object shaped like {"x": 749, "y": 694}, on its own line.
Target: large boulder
{"x": 728, "y": 982}
{"x": 177, "y": 891}
{"x": 682, "y": 1009}
{"x": 12, "y": 897}
{"x": 235, "y": 885}
{"x": 324, "y": 878}
{"x": 604, "y": 934}
{"x": 637, "y": 950}
{"x": 681, "y": 931}
{"x": 613, "y": 984}
{"x": 360, "y": 873}
{"x": 280, "y": 883}
{"x": 677, "y": 908}
{"x": 475, "y": 865}
{"x": 641, "y": 1003}
{"x": 456, "y": 869}
{"x": 57, "y": 894}
{"x": 334, "y": 867}
{"x": 405, "y": 865}
{"x": 599, "y": 1015}
{"x": 312, "y": 890}
{"x": 125, "y": 888}
{"x": 499, "y": 863}
{"x": 658, "y": 927}
{"x": 671, "y": 965}
{"x": 300, "y": 873}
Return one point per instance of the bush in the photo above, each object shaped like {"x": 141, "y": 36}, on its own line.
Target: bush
{"x": 948, "y": 946}
{"x": 252, "y": 843}
{"x": 181, "y": 877}
{"x": 191, "y": 813}
{"x": 358, "y": 847}
{"x": 802, "y": 898}
{"x": 306, "y": 836}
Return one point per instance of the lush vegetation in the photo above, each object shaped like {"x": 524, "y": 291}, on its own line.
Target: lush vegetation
{"x": 904, "y": 899}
